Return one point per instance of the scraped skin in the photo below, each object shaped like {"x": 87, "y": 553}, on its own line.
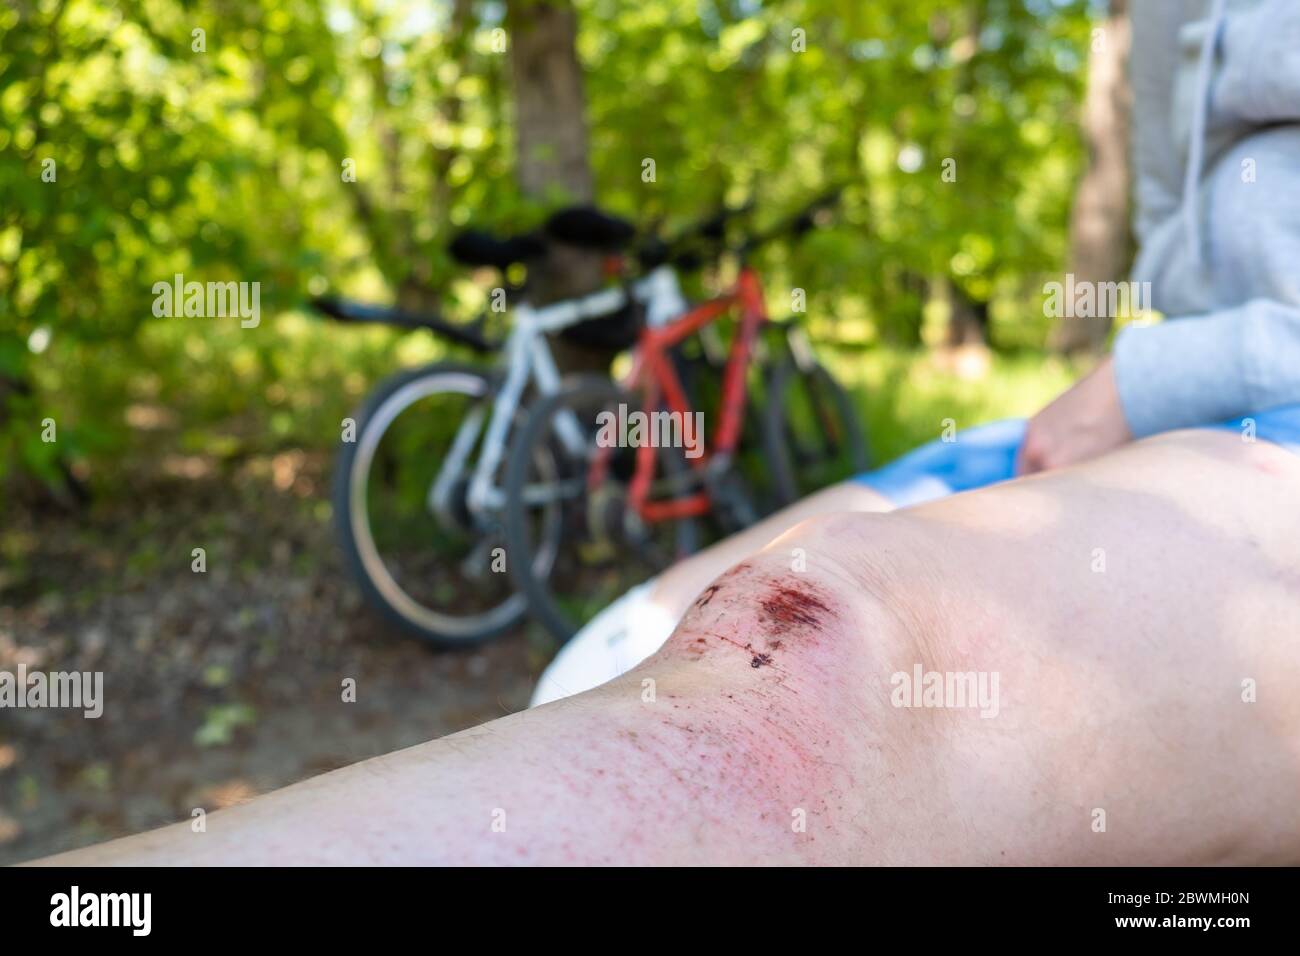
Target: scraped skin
{"x": 1122, "y": 605}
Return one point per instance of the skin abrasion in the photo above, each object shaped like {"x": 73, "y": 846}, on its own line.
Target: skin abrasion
{"x": 770, "y": 636}
{"x": 789, "y": 608}
{"x": 760, "y": 612}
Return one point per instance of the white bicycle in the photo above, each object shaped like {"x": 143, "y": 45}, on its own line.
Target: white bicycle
{"x": 418, "y": 494}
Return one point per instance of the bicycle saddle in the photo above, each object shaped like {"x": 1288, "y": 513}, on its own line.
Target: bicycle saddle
{"x": 472, "y": 247}
{"x": 590, "y": 228}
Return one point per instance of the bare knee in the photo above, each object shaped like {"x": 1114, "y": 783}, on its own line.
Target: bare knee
{"x": 817, "y": 612}
{"x": 792, "y": 651}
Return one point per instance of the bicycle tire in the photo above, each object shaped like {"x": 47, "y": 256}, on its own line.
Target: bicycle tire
{"x": 536, "y": 588}
{"x": 378, "y": 585}
{"x": 790, "y": 475}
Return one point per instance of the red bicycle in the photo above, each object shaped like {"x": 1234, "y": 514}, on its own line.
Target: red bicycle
{"x": 629, "y": 463}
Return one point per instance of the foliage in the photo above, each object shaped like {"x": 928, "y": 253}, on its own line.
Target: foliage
{"x": 903, "y": 399}
{"x": 224, "y": 160}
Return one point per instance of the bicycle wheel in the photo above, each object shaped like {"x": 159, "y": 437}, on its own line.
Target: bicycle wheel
{"x": 604, "y": 548}
{"x": 420, "y": 557}
{"x": 811, "y": 433}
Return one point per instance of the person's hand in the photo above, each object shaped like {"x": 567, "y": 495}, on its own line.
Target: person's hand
{"x": 1080, "y": 424}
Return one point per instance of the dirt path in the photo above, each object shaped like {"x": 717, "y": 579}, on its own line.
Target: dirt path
{"x": 218, "y": 685}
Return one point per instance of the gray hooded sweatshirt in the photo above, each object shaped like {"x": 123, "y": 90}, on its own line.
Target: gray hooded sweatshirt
{"x": 1216, "y": 86}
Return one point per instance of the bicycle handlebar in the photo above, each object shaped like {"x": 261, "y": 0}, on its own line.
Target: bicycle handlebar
{"x": 798, "y": 225}
{"x": 345, "y": 310}
{"x": 685, "y": 252}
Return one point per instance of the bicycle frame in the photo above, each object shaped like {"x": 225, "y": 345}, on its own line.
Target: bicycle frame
{"x": 527, "y": 360}
{"x": 653, "y": 371}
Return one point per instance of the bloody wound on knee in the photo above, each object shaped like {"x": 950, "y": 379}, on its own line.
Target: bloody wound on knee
{"x": 789, "y": 607}
{"x": 785, "y": 608}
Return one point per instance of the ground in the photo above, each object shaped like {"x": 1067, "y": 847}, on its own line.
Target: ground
{"x": 218, "y": 685}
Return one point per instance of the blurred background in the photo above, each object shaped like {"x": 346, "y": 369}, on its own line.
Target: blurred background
{"x": 984, "y": 142}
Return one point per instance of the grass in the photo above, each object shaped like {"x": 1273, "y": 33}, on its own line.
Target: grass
{"x": 905, "y": 397}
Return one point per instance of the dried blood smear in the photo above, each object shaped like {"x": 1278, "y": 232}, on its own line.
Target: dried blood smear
{"x": 789, "y": 607}
{"x": 704, "y": 599}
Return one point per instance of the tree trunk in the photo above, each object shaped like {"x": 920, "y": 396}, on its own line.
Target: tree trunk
{"x": 550, "y": 105}
{"x": 967, "y": 319}
{"x": 1099, "y": 228}
{"x": 552, "y": 161}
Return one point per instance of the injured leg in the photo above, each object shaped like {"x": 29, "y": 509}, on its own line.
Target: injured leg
{"x": 1129, "y": 626}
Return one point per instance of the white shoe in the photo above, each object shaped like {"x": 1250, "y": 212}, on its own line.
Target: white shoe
{"x": 612, "y": 643}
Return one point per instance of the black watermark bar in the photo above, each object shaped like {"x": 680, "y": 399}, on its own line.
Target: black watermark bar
{"x": 226, "y": 906}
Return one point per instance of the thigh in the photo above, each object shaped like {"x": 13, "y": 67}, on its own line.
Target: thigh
{"x": 1138, "y": 618}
